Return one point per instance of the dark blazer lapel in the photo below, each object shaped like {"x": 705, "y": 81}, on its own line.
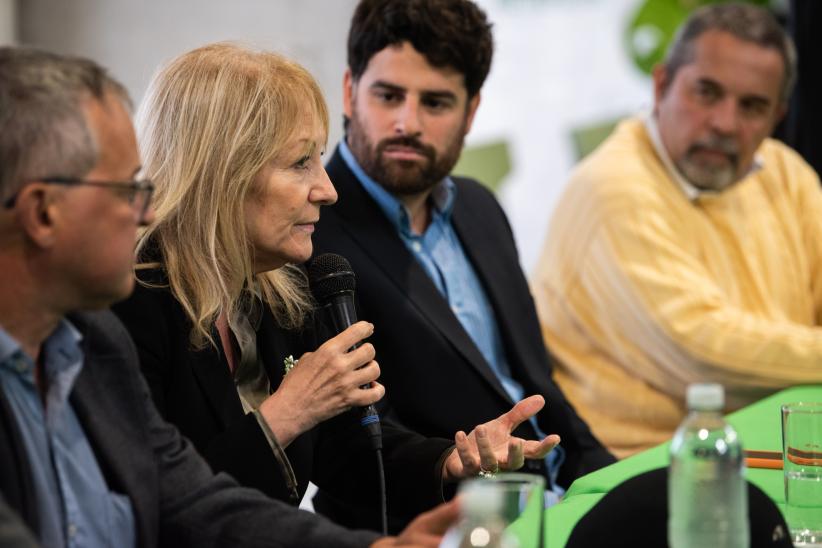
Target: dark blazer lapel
{"x": 483, "y": 251}
{"x": 367, "y": 225}
{"x": 105, "y": 423}
{"x": 497, "y": 264}
{"x": 214, "y": 378}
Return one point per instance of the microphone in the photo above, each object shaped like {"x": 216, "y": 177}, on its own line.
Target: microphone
{"x": 332, "y": 283}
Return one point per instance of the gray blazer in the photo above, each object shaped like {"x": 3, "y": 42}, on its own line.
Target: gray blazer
{"x": 177, "y": 500}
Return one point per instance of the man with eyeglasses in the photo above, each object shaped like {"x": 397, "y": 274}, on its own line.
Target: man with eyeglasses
{"x": 85, "y": 459}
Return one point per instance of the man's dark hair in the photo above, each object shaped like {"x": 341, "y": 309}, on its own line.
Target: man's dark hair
{"x": 448, "y": 33}
{"x": 744, "y": 21}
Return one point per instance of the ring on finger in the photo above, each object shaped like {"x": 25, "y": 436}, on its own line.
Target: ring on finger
{"x": 483, "y": 473}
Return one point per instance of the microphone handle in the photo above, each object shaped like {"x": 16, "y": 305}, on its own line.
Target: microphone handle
{"x": 341, "y": 311}
{"x": 342, "y": 314}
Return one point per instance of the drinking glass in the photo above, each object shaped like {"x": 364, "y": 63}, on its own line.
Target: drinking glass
{"x": 802, "y": 459}
{"x": 523, "y": 506}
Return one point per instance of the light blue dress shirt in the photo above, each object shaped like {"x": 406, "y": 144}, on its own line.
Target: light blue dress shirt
{"x": 441, "y": 254}
{"x": 75, "y": 506}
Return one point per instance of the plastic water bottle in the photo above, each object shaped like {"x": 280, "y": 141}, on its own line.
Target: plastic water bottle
{"x": 707, "y": 493}
{"x": 482, "y": 524}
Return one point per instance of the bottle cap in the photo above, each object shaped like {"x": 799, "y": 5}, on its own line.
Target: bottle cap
{"x": 706, "y": 396}
{"x": 480, "y": 498}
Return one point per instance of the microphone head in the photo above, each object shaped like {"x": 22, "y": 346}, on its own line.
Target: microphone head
{"x": 330, "y": 274}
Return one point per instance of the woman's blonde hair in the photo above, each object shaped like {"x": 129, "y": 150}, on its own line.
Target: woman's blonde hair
{"x": 211, "y": 120}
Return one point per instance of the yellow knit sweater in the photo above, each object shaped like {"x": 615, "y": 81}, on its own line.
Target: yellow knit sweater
{"x": 642, "y": 291}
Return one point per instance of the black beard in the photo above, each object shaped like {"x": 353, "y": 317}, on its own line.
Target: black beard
{"x": 402, "y": 178}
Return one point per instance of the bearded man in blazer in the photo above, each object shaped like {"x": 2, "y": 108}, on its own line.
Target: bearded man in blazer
{"x": 438, "y": 274}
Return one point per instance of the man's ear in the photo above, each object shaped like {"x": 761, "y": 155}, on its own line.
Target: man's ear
{"x": 35, "y": 211}
{"x": 781, "y": 111}
{"x": 473, "y": 103}
{"x": 661, "y": 83}
{"x": 348, "y": 92}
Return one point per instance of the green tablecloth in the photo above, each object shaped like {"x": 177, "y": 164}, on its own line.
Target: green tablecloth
{"x": 759, "y": 426}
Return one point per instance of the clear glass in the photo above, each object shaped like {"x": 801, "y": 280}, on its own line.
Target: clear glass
{"x": 513, "y": 520}
{"x": 802, "y": 462}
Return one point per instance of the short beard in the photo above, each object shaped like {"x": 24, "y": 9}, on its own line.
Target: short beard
{"x": 402, "y": 178}
{"x": 711, "y": 178}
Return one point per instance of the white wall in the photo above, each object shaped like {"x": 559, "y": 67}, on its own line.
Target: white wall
{"x": 558, "y": 64}
{"x": 133, "y": 38}
{"x": 8, "y": 22}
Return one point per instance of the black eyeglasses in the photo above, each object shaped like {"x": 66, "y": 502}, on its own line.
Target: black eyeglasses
{"x": 136, "y": 193}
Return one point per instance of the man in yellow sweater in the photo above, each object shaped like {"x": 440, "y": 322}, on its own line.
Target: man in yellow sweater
{"x": 688, "y": 247}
